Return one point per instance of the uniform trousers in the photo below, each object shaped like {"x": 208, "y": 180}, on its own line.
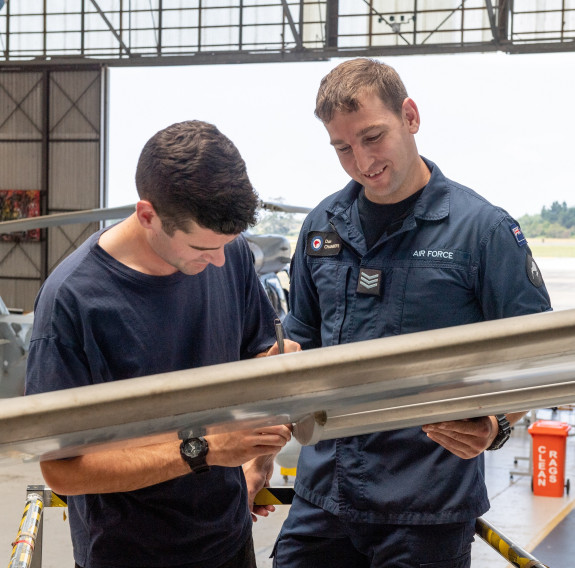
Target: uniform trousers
{"x": 314, "y": 538}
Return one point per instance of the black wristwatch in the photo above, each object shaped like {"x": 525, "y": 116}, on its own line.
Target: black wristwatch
{"x": 503, "y": 433}
{"x": 194, "y": 452}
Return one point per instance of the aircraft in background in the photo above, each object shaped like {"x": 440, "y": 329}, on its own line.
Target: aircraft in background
{"x": 271, "y": 254}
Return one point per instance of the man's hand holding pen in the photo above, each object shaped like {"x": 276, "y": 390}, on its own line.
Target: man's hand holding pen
{"x": 259, "y": 471}
{"x": 282, "y": 345}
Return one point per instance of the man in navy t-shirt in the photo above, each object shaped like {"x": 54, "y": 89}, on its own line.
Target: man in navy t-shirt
{"x": 171, "y": 287}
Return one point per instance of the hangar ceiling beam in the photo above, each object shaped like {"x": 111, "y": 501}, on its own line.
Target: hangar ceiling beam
{"x": 111, "y": 27}
{"x": 185, "y": 32}
{"x": 294, "y": 31}
{"x": 492, "y": 22}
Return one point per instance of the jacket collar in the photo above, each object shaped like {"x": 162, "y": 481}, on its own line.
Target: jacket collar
{"x": 432, "y": 205}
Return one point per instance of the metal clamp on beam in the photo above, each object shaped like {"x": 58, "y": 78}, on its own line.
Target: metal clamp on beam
{"x": 308, "y": 431}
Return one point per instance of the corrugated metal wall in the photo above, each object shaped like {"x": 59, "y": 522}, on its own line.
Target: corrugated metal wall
{"x": 52, "y": 140}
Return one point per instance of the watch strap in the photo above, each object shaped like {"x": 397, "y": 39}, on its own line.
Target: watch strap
{"x": 503, "y": 433}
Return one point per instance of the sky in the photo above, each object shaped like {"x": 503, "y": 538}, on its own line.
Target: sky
{"x": 500, "y": 124}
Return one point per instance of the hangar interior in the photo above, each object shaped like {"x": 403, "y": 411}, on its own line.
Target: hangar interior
{"x": 55, "y": 56}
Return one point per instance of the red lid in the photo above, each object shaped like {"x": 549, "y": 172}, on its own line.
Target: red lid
{"x": 550, "y": 427}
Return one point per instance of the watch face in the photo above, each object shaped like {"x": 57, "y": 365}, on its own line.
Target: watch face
{"x": 193, "y": 447}
{"x": 194, "y": 451}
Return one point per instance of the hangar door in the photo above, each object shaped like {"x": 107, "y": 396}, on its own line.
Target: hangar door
{"x": 52, "y": 156}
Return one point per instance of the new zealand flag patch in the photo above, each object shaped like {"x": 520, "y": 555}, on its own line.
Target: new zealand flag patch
{"x": 519, "y": 237}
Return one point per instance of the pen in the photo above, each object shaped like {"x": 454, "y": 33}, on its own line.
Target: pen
{"x": 279, "y": 334}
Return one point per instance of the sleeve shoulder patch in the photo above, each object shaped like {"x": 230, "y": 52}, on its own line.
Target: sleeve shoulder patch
{"x": 533, "y": 272}
{"x": 518, "y": 234}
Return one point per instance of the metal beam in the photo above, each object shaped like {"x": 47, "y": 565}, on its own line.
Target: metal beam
{"x": 505, "y": 546}
{"x": 58, "y": 219}
{"x": 492, "y": 22}
{"x": 107, "y": 213}
{"x": 332, "y": 23}
{"x": 467, "y": 371}
{"x": 283, "y": 207}
{"x": 111, "y": 27}
{"x": 291, "y": 23}
{"x": 509, "y": 24}
{"x": 295, "y": 56}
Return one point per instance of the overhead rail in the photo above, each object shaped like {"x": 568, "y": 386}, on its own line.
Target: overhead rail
{"x": 141, "y": 32}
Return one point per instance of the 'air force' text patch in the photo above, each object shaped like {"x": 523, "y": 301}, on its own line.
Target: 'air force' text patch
{"x": 321, "y": 243}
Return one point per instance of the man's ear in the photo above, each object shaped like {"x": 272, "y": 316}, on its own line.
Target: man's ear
{"x": 410, "y": 113}
{"x": 146, "y": 213}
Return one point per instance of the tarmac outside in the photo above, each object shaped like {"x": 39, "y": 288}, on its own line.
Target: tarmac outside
{"x": 524, "y": 518}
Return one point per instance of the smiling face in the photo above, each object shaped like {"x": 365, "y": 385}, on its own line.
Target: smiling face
{"x": 376, "y": 148}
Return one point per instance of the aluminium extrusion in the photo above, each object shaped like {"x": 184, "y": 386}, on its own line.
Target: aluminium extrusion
{"x": 466, "y": 371}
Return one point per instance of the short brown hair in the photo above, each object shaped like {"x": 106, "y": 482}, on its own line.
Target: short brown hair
{"x": 340, "y": 88}
{"x": 190, "y": 171}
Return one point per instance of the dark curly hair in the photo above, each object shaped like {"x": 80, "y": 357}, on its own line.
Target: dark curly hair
{"x": 190, "y": 171}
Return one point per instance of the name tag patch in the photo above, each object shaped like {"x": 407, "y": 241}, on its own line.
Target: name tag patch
{"x": 322, "y": 243}
{"x": 369, "y": 282}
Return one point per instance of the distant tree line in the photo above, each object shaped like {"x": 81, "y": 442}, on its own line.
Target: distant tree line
{"x": 555, "y": 222}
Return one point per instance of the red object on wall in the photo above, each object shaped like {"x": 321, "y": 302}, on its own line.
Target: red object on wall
{"x": 19, "y": 204}
{"x": 549, "y": 443}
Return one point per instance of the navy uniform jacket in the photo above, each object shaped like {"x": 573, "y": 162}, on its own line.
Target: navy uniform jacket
{"x": 455, "y": 259}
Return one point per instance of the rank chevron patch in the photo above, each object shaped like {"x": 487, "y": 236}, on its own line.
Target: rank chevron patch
{"x": 369, "y": 282}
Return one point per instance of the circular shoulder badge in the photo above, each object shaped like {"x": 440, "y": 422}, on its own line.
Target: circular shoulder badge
{"x": 533, "y": 272}
{"x": 316, "y": 243}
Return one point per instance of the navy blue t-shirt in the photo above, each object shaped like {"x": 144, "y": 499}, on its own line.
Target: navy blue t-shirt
{"x": 96, "y": 321}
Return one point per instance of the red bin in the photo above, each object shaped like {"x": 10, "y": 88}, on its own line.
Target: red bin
{"x": 549, "y": 443}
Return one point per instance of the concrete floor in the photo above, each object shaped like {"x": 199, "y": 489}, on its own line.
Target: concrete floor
{"x": 521, "y": 516}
